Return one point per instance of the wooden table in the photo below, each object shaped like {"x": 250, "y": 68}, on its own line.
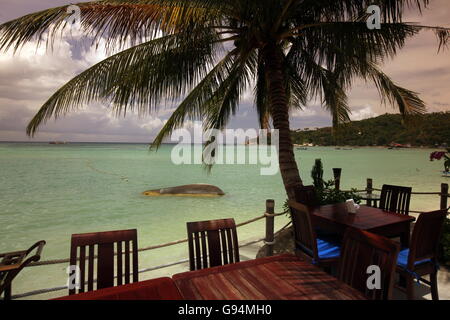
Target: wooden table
{"x": 272, "y": 278}
{"x": 336, "y": 218}
{"x": 154, "y": 289}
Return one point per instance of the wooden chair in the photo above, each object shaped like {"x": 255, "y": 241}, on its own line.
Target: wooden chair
{"x": 421, "y": 257}
{"x": 108, "y": 246}
{"x": 361, "y": 249}
{"x": 12, "y": 263}
{"x": 395, "y": 199}
{"x": 306, "y": 195}
{"x": 307, "y": 245}
{"x": 212, "y": 243}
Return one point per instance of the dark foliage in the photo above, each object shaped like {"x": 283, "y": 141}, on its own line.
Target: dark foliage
{"x": 430, "y": 129}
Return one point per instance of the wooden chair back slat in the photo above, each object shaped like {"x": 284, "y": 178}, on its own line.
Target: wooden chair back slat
{"x": 230, "y": 245}
{"x": 82, "y": 266}
{"x": 212, "y": 243}
{"x": 395, "y": 198}
{"x": 215, "y": 256}
{"x": 426, "y": 236}
{"x": 198, "y": 254}
{"x": 223, "y": 240}
{"x": 362, "y": 249}
{"x": 127, "y": 262}
{"x": 120, "y": 274}
{"x": 203, "y": 236}
{"x": 134, "y": 262}
{"x": 305, "y": 236}
{"x": 107, "y": 260}
{"x": 105, "y": 265}
{"x": 91, "y": 267}
{"x": 191, "y": 250}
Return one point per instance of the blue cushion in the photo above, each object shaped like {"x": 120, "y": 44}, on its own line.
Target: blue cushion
{"x": 327, "y": 250}
{"x": 402, "y": 260}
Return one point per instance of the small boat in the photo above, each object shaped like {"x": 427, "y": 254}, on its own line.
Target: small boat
{"x": 302, "y": 148}
{"x": 57, "y": 142}
{"x": 394, "y": 145}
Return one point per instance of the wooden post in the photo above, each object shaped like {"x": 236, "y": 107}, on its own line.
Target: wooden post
{"x": 369, "y": 187}
{"x": 444, "y": 196}
{"x": 269, "y": 241}
{"x": 337, "y": 178}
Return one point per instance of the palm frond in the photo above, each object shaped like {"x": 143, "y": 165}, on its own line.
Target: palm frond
{"x": 193, "y": 106}
{"x": 349, "y": 45}
{"x": 323, "y": 84}
{"x": 330, "y": 10}
{"x": 408, "y": 102}
{"x": 155, "y": 76}
{"x": 335, "y": 100}
{"x": 105, "y": 20}
{"x": 225, "y": 100}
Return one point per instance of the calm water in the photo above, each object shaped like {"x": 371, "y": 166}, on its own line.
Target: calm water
{"x": 51, "y": 191}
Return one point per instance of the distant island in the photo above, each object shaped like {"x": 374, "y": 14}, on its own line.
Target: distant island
{"x": 428, "y": 130}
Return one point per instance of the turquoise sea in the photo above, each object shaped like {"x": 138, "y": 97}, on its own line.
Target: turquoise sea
{"x": 52, "y": 191}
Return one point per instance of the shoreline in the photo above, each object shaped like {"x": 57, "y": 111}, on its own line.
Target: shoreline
{"x": 169, "y": 144}
{"x": 372, "y": 147}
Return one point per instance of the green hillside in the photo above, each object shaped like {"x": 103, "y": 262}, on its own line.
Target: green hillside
{"x": 431, "y": 129}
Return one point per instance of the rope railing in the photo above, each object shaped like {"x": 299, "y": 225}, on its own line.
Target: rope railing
{"x": 443, "y": 194}
{"x": 168, "y": 244}
{"x": 418, "y": 193}
{"x": 60, "y": 288}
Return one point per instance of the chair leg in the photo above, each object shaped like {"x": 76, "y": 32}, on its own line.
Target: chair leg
{"x": 434, "y": 286}
{"x": 7, "y": 293}
{"x": 409, "y": 287}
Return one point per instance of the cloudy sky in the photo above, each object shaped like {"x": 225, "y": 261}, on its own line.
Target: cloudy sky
{"x": 29, "y": 78}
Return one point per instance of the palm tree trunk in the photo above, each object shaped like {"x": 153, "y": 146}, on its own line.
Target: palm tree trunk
{"x": 279, "y": 110}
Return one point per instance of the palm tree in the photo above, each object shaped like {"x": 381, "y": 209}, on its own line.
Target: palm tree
{"x": 209, "y": 52}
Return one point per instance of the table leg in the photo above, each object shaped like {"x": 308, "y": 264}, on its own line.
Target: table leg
{"x": 404, "y": 237}
{"x": 7, "y": 292}
{"x": 404, "y": 241}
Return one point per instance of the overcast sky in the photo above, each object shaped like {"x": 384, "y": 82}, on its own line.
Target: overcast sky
{"x": 29, "y": 78}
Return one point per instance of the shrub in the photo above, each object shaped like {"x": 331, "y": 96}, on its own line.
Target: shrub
{"x": 325, "y": 190}
{"x": 329, "y": 195}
